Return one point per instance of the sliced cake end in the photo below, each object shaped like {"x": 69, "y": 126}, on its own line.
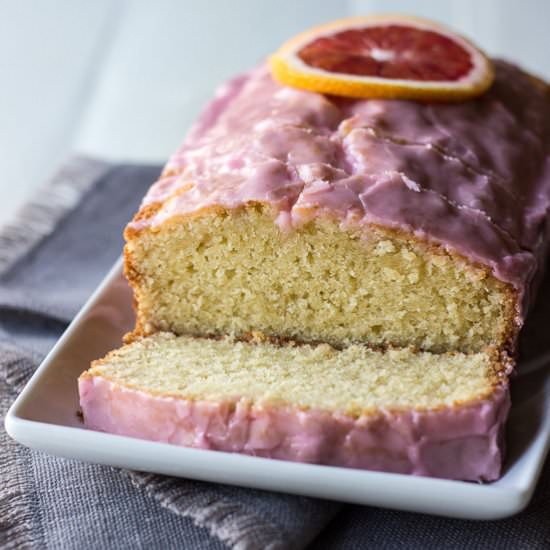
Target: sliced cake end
{"x": 395, "y": 410}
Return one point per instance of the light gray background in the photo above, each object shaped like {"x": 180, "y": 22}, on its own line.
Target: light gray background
{"x": 123, "y": 79}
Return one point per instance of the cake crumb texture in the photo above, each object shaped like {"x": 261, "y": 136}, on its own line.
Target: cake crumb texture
{"x": 354, "y": 381}
{"x": 236, "y": 272}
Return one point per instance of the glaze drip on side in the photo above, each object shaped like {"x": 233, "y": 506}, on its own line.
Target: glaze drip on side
{"x": 463, "y": 442}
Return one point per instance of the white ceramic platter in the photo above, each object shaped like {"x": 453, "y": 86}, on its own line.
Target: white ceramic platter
{"x": 44, "y": 417}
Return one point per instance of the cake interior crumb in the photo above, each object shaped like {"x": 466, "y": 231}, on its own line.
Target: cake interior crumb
{"x": 354, "y": 380}
{"x": 236, "y": 272}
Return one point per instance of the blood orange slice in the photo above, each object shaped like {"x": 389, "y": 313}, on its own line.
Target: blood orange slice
{"x": 384, "y": 56}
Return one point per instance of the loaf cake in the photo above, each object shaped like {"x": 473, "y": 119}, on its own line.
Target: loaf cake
{"x": 316, "y": 218}
{"x": 334, "y": 280}
{"x": 398, "y": 410}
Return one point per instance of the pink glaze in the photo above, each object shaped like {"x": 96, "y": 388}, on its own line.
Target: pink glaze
{"x": 472, "y": 176}
{"x": 464, "y": 442}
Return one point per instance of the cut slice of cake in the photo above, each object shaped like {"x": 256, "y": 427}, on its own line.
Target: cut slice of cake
{"x": 394, "y": 410}
{"x": 317, "y": 218}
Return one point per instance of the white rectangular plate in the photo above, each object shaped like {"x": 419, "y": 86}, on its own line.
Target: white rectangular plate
{"x": 45, "y": 417}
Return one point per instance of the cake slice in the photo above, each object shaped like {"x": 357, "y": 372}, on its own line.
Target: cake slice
{"x": 394, "y": 410}
{"x": 383, "y": 222}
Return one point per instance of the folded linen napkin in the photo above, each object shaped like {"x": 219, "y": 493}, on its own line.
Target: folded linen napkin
{"x": 51, "y": 259}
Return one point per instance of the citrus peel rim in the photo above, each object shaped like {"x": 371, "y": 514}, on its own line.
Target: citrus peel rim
{"x": 288, "y": 69}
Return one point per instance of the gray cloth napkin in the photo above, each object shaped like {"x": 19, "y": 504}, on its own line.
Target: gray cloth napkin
{"x": 51, "y": 259}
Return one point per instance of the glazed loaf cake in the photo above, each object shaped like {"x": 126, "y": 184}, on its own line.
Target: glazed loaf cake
{"x": 336, "y": 281}
{"x": 397, "y": 411}
{"x": 315, "y": 218}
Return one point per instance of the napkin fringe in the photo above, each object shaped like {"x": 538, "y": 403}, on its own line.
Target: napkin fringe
{"x": 38, "y": 217}
{"x": 15, "y": 525}
{"x": 17, "y": 519}
{"x": 34, "y": 222}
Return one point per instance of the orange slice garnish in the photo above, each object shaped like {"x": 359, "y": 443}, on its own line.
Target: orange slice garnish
{"x": 390, "y": 56}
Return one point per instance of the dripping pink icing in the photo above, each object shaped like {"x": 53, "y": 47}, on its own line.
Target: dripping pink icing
{"x": 464, "y": 442}
{"x": 472, "y": 176}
